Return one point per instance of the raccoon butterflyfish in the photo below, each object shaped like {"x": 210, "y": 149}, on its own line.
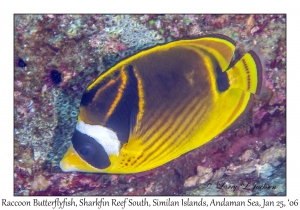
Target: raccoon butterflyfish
{"x": 161, "y": 103}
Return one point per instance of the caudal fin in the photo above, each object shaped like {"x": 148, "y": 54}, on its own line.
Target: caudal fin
{"x": 246, "y": 74}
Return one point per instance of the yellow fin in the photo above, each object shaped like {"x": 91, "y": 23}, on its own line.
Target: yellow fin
{"x": 220, "y": 46}
{"x": 246, "y": 74}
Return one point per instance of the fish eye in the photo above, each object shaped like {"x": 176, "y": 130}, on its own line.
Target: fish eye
{"x": 90, "y": 151}
{"x": 86, "y": 150}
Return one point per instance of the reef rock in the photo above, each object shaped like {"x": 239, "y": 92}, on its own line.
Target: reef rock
{"x": 203, "y": 175}
{"x": 275, "y": 155}
{"x": 246, "y": 168}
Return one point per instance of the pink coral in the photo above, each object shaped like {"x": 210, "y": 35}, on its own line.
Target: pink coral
{"x": 220, "y": 21}
{"x": 95, "y": 41}
{"x": 40, "y": 183}
{"x": 114, "y": 45}
{"x": 257, "y": 117}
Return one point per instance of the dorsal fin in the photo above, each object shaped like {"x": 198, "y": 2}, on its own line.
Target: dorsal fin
{"x": 220, "y": 46}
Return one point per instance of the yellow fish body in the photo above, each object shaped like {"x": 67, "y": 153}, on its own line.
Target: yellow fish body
{"x": 161, "y": 103}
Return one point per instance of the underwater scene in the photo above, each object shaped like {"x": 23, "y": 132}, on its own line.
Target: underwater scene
{"x": 149, "y": 104}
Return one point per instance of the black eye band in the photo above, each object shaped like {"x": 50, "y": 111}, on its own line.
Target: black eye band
{"x": 90, "y": 150}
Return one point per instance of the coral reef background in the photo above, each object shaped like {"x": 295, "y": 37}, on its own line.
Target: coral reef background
{"x": 57, "y": 56}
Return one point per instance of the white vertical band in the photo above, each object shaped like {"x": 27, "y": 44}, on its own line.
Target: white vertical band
{"x": 107, "y": 138}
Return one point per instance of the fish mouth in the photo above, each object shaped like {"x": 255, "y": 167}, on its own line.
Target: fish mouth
{"x": 73, "y": 162}
{"x": 67, "y": 163}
